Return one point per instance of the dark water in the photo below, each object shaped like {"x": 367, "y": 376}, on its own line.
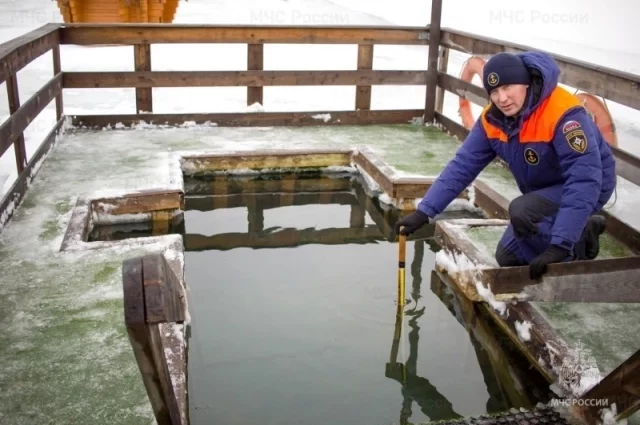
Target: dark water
{"x": 293, "y": 300}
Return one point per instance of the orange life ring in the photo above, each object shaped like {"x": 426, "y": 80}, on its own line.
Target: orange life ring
{"x": 473, "y": 66}
{"x": 601, "y": 117}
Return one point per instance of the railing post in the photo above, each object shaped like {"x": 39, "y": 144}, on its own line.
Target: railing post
{"x": 14, "y": 105}
{"x": 142, "y": 62}
{"x": 151, "y": 297}
{"x": 432, "y": 70}
{"x": 255, "y": 62}
{"x": 57, "y": 68}
{"x": 443, "y": 62}
{"x": 365, "y": 62}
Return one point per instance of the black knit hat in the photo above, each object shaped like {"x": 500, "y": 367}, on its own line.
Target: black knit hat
{"x": 503, "y": 69}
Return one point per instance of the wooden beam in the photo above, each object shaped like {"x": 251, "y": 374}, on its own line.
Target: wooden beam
{"x": 250, "y": 184}
{"x": 443, "y": 64}
{"x": 17, "y": 53}
{"x": 375, "y": 167}
{"x": 463, "y": 89}
{"x": 620, "y": 387}
{"x": 249, "y": 119}
{"x": 128, "y": 34}
{"x": 617, "y": 86}
{"x": 267, "y": 159}
{"x": 627, "y": 165}
{"x": 255, "y": 62}
{"x": 610, "y": 280}
{"x": 145, "y": 201}
{"x": 490, "y": 201}
{"x": 432, "y": 70}
{"x": 251, "y": 78}
{"x": 266, "y": 201}
{"x": 57, "y": 69}
{"x": 17, "y": 122}
{"x": 365, "y": 63}
{"x": 151, "y": 297}
{"x": 142, "y": 62}
{"x": 14, "y": 105}
{"x": 283, "y": 238}
{"x": 16, "y": 193}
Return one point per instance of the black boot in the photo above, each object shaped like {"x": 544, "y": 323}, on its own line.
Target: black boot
{"x": 595, "y": 227}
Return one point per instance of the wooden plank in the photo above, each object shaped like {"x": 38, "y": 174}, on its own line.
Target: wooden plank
{"x": 14, "y": 104}
{"x": 163, "y": 303}
{"x": 139, "y": 202}
{"x": 376, "y": 168}
{"x": 253, "y": 79}
{"x": 57, "y": 69}
{"x": 612, "y": 280}
{"x": 250, "y": 119}
{"x": 142, "y": 62}
{"x": 490, "y": 201}
{"x": 128, "y": 34}
{"x": 620, "y": 387}
{"x": 267, "y": 160}
{"x": 432, "y": 70}
{"x": 17, "y": 53}
{"x": 267, "y": 201}
{"x": 627, "y": 165}
{"x": 255, "y": 62}
{"x": 283, "y": 238}
{"x": 617, "y": 86}
{"x": 463, "y": 89}
{"x": 20, "y": 120}
{"x": 251, "y": 184}
{"x": 412, "y": 187}
{"x": 443, "y": 63}
{"x": 16, "y": 193}
{"x": 365, "y": 62}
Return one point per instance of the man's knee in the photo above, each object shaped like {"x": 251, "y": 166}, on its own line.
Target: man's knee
{"x": 527, "y": 210}
{"x": 506, "y": 258}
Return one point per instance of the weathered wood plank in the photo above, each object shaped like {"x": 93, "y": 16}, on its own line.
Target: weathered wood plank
{"x": 250, "y": 184}
{"x": 161, "y": 293}
{"x": 142, "y": 62}
{"x": 151, "y": 33}
{"x": 255, "y": 62}
{"x": 57, "y": 68}
{"x": 412, "y": 187}
{"x": 139, "y": 202}
{"x": 609, "y": 83}
{"x": 266, "y": 160}
{"x": 432, "y": 70}
{"x": 15, "y": 125}
{"x": 375, "y": 167}
{"x": 13, "y": 95}
{"x": 365, "y": 62}
{"x": 250, "y": 119}
{"x": 16, "y": 193}
{"x": 463, "y": 89}
{"x": 17, "y": 53}
{"x": 283, "y": 238}
{"x": 251, "y": 78}
{"x": 620, "y": 387}
{"x": 490, "y": 201}
{"x": 627, "y": 165}
{"x": 443, "y": 64}
{"x": 266, "y": 201}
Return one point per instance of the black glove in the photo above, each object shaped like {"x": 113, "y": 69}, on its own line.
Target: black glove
{"x": 553, "y": 254}
{"x": 412, "y": 222}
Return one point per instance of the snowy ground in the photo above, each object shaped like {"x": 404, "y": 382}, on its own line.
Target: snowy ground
{"x": 68, "y": 340}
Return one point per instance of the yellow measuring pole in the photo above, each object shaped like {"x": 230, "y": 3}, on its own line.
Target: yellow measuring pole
{"x": 402, "y": 249}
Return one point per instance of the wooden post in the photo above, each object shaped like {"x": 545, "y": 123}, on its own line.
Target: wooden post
{"x": 443, "y": 62}
{"x": 358, "y": 216}
{"x": 142, "y": 62}
{"x": 14, "y": 104}
{"x": 255, "y": 62}
{"x": 57, "y": 68}
{"x": 151, "y": 297}
{"x": 365, "y": 62}
{"x": 432, "y": 70}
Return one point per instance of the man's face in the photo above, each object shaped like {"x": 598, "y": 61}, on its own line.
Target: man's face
{"x": 509, "y": 98}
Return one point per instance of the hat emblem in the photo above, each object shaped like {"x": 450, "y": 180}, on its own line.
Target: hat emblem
{"x": 493, "y": 79}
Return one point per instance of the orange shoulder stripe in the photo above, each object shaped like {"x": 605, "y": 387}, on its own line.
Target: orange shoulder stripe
{"x": 541, "y": 125}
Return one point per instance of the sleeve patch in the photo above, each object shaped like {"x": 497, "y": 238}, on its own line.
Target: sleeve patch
{"x": 577, "y": 140}
{"x": 570, "y": 126}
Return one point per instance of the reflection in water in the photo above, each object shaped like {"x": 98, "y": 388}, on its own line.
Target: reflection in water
{"x": 290, "y": 322}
